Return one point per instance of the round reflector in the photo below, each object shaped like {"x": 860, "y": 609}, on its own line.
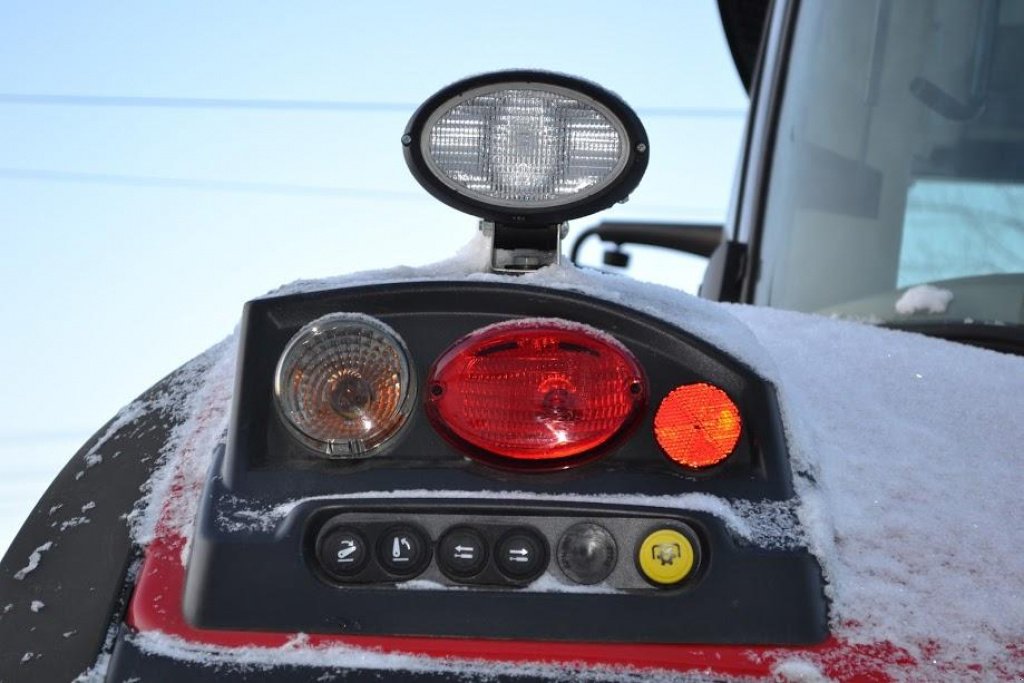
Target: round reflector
{"x": 535, "y": 390}
{"x": 697, "y": 425}
{"x": 344, "y": 385}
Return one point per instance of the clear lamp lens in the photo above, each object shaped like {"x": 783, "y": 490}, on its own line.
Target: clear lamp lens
{"x": 525, "y": 147}
{"x": 344, "y": 384}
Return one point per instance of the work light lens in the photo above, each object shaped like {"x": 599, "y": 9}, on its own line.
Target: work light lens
{"x": 344, "y": 384}
{"x": 523, "y": 146}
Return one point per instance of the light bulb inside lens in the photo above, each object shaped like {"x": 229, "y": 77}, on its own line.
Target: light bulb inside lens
{"x": 344, "y": 384}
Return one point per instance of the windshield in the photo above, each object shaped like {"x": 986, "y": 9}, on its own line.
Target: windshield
{"x": 899, "y": 161}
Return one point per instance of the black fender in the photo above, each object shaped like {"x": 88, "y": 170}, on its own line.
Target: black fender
{"x": 82, "y": 578}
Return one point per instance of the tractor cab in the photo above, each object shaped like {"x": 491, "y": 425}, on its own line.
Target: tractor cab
{"x": 505, "y": 467}
{"x": 882, "y": 177}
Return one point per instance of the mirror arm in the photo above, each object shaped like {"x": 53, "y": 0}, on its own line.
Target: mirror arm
{"x": 700, "y": 239}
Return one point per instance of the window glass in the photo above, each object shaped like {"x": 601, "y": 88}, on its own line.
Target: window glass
{"x": 899, "y": 160}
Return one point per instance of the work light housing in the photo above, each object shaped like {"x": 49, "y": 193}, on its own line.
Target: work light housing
{"x": 526, "y": 148}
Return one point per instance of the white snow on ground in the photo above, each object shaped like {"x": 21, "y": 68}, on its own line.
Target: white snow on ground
{"x": 924, "y": 299}
{"x": 907, "y": 454}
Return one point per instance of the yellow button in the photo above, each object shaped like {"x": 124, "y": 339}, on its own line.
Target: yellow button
{"x": 666, "y": 557}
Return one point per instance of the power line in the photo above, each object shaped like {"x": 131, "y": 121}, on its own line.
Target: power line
{"x": 208, "y": 185}
{"x": 202, "y": 103}
{"x": 297, "y": 105}
{"x": 44, "y": 175}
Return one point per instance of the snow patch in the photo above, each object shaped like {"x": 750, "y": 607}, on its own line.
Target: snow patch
{"x": 545, "y": 584}
{"x": 97, "y": 673}
{"x": 798, "y": 671}
{"x": 300, "y": 652}
{"x": 37, "y": 605}
{"x": 73, "y": 522}
{"x": 907, "y": 452}
{"x": 924, "y": 299}
{"x": 33, "y": 561}
{"x": 549, "y": 584}
{"x": 198, "y": 400}
{"x": 427, "y": 585}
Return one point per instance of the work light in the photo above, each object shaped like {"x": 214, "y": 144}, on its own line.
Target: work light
{"x": 526, "y": 148}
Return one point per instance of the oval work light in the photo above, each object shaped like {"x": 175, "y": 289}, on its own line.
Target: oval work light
{"x": 526, "y": 148}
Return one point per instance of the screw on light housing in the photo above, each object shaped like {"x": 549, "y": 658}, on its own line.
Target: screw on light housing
{"x": 344, "y": 385}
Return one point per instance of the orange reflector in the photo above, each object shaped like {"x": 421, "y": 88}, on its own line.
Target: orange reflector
{"x": 697, "y": 425}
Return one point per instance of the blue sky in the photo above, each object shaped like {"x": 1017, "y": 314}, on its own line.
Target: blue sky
{"x": 131, "y": 235}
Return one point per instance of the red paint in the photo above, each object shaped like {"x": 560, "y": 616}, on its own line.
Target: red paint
{"x": 156, "y": 606}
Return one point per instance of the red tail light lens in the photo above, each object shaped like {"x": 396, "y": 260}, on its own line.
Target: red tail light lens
{"x": 537, "y": 390}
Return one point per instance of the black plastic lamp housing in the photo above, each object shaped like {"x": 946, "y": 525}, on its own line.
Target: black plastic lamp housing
{"x": 526, "y": 148}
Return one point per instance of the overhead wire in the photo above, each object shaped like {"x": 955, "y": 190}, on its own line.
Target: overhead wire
{"x": 212, "y": 103}
{"x": 35, "y": 174}
{"x": 297, "y": 105}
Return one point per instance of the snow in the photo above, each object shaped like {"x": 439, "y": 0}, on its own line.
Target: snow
{"x": 546, "y": 583}
{"x": 97, "y": 673}
{"x": 71, "y": 523}
{"x": 924, "y": 299}
{"x": 798, "y": 671}
{"x": 908, "y": 451}
{"x": 299, "y": 652}
{"x": 906, "y": 455}
{"x": 33, "y": 561}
